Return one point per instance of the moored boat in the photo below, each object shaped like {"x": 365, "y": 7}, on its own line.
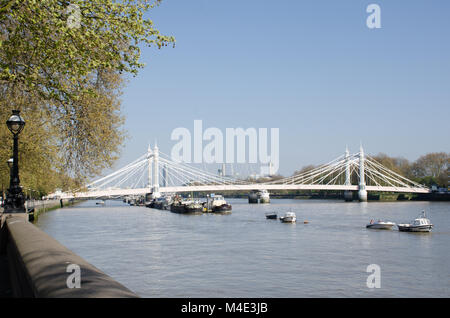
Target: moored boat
{"x": 264, "y": 196}
{"x": 225, "y": 208}
{"x": 420, "y": 224}
{"x": 380, "y": 225}
{"x": 271, "y": 215}
{"x": 289, "y": 217}
{"x": 178, "y": 207}
{"x": 168, "y": 199}
{"x": 194, "y": 207}
{"x": 162, "y": 203}
{"x": 219, "y": 205}
{"x": 159, "y": 203}
{"x": 150, "y": 204}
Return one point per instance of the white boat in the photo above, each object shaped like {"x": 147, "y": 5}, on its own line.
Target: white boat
{"x": 100, "y": 203}
{"x": 289, "y": 217}
{"x": 264, "y": 196}
{"x": 420, "y": 224}
{"x": 216, "y": 204}
{"x": 380, "y": 225}
{"x": 220, "y": 205}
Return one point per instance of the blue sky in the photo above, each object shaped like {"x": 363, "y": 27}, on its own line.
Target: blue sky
{"x": 311, "y": 68}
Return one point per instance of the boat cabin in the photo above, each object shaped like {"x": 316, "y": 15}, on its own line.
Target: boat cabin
{"x": 421, "y": 221}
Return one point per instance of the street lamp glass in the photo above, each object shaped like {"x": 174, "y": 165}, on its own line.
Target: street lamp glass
{"x": 15, "y": 122}
{"x": 10, "y": 162}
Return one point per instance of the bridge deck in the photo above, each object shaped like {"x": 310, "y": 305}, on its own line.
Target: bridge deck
{"x": 246, "y": 187}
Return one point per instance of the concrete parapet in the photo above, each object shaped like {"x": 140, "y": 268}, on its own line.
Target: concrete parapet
{"x": 39, "y": 266}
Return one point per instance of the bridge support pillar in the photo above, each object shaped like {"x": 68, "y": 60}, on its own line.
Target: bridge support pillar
{"x": 253, "y": 197}
{"x": 348, "y": 195}
{"x": 156, "y": 193}
{"x": 362, "y": 180}
{"x": 150, "y": 164}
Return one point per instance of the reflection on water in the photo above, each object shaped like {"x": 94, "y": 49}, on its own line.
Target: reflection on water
{"x": 162, "y": 254}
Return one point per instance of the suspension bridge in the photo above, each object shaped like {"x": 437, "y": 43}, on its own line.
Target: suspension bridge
{"x": 155, "y": 173}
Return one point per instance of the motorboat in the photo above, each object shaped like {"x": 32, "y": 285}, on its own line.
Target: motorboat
{"x": 194, "y": 207}
{"x": 380, "y": 225}
{"x": 168, "y": 199}
{"x": 420, "y": 224}
{"x": 264, "y": 196}
{"x": 271, "y": 215}
{"x": 100, "y": 202}
{"x": 158, "y": 203}
{"x": 151, "y": 204}
{"x": 188, "y": 205}
{"x": 178, "y": 207}
{"x": 163, "y": 202}
{"x": 218, "y": 204}
{"x": 289, "y": 217}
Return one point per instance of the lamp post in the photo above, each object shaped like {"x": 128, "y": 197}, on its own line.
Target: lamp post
{"x": 14, "y": 198}
{"x": 10, "y": 164}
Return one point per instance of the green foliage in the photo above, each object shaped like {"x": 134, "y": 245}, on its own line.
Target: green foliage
{"x": 434, "y": 165}
{"x": 48, "y": 55}
{"x": 66, "y": 80}
{"x": 399, "y": 165}
{"x": 428, "y": 181}
{"x": 37, "y": 156}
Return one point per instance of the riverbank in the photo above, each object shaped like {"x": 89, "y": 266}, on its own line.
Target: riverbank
{"x": 339, "y": 195}
{"x": 43, "y": 206}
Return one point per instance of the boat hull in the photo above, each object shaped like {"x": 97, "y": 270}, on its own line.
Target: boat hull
{"x": 159, "y": 206}
{"x": 271, "y": 216}
{"x": 288, "y": 220}
{"x": 225, "y": 208}
{"x": 178, "y": 208}
{"x": 418, "y": 228}
{"x": 193, "y": 209}
{"x": 380, "y": 226}
{"x": 264, "y": 200}
{"x": 185, "y": 209}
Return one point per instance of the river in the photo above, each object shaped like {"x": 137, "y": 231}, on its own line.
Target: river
{"x": 162, "y": 254}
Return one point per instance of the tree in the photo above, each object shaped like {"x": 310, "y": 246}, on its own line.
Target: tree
{"x": 37, "y": 151}
{"x": 397, "y": 164}
{"x": 66, "y": 79}
{"x": 305, "y": 169}
{"x": 56, "y": 59}
{"x": 434, "y": 165}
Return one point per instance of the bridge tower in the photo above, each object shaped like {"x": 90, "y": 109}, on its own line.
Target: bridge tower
{"x": 362, "y": 180}
{"x": 156, "y": 193}
{"x": 150, "y": 163}
{"x": 165, "y": 176}
{"x": 348, "y": 195}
